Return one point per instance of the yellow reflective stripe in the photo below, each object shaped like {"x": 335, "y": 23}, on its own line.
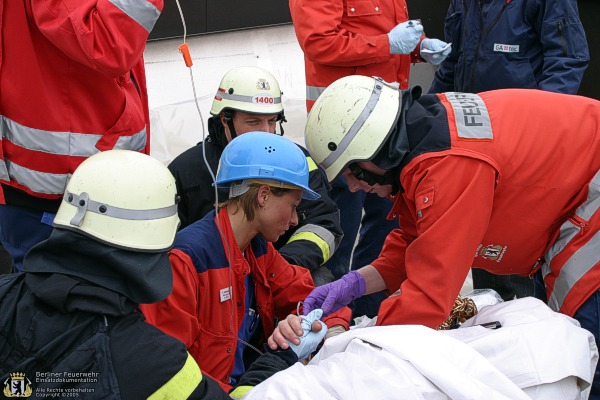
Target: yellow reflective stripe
{"x": 312, "y": 165}
{"x": 182, "y": 384}
{"x": 314, "y": 238}
{"x": 240, "y": 392}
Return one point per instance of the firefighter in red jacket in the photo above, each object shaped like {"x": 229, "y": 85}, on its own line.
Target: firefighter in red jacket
{"x": 230, "y": 285}
{"x": 507, "y": 181}
{"x": 73, "y": 84}
{"x": 370, "y": 38}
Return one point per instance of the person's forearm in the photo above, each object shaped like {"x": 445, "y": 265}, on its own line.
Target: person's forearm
{"x": 373, "y": 280}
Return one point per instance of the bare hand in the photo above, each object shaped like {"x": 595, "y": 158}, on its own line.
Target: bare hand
{"x": 290, "y": 329}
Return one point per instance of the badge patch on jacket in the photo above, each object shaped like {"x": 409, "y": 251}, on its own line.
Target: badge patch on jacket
{"x": 491, "y": 252}
{"x": 506, "y": 48}
{"x": 225, "y": 294}
{"x": 471, "y": 116}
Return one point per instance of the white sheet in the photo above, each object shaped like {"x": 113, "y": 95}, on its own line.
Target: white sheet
{"x": 536, "y": 354}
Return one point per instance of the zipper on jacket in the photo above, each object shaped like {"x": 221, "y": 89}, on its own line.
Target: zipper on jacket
{"x": 481, "y": 37}
{"x": 562, "y": 37}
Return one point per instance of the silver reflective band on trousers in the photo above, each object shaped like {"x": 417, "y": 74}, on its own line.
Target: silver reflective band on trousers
{"x": 313, "y": 92}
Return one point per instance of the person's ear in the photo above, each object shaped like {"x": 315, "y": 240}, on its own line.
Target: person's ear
{"x": 224, "y": 117}
{"x": 263, "y": 195}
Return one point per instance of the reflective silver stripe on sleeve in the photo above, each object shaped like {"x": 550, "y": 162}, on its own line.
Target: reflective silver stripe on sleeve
{"x": 472, "y": 117}
{"x": 356, "y": 126}
{"x": 313, "y": 92}
{"x": 584, "y": 258}
{"x": 85, "y": 204}
{"x": 243, "y": 99}
{"x": 141, "y": 11}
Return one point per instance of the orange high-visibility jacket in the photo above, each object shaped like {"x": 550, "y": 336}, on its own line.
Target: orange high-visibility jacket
{"x": 72, "y": 84}
{"x": 349, "y": 37}
{"x": 492, "y": 186}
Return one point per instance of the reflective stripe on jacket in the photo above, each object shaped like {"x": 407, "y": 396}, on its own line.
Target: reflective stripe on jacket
{"x": 206, "y": 308}
{"x": 349, "y": 37}
{"x": 73, "y": 84}
{"x": 489, "y": 182}
{"x": 571, "y": 266}
{"x": 513, "y": 44}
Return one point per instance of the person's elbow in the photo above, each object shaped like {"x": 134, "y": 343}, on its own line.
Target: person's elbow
{"x": 118, "y": 62}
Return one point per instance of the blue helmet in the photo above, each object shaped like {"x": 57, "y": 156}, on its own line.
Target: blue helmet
{"x": 268, "y": 158}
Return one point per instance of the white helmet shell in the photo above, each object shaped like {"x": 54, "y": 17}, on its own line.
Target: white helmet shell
{"x": 250, "y": 89}
{"x": 123, "y": 198}
{"x": 350, "y": 121}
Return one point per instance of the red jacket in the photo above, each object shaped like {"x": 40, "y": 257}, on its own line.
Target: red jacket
{"x": 489, "y": 188}
{"x": 72, "y": 84}
{"x": 203, "y": 314}
{"x": 349, "y": 37}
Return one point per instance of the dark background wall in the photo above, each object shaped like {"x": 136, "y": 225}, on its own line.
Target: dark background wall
{"x": 209, "y": 16}
{"x": 589, "y": 12}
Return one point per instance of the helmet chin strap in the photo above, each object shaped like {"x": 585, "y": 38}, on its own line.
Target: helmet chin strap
{"x": 228, "y": 118}
{"x": 281, "y": 121}
{"x": 389, "y": 178}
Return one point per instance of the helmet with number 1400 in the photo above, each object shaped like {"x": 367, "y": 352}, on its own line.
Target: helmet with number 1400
{"x": 250, "y": 89}
{"x": 266, "y": 158}
{"x": 122, "y": 198}
{"x": 350, "y": 122}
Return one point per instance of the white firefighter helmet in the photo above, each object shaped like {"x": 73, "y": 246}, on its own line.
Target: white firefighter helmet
{"x": 123, "y": 198}
{"x": 250, "y": 89}
{"x": 350, "y": 122}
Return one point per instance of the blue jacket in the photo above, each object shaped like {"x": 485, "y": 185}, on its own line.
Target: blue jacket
{"x": 513, "y": 44}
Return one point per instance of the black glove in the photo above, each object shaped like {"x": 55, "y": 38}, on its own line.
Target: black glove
{"x": 265, "y": 366}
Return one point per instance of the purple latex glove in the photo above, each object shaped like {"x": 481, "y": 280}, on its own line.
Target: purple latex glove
{"x": 337, "y": 294}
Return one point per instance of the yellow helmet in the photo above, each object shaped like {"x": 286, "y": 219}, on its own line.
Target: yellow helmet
{"x": 123, "y": 198}
{"x": 350, "y": 121}
{"x": 250, "y": 89}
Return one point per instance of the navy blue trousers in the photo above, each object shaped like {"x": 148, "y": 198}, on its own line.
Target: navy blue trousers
{"x": 22, "y": 228}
